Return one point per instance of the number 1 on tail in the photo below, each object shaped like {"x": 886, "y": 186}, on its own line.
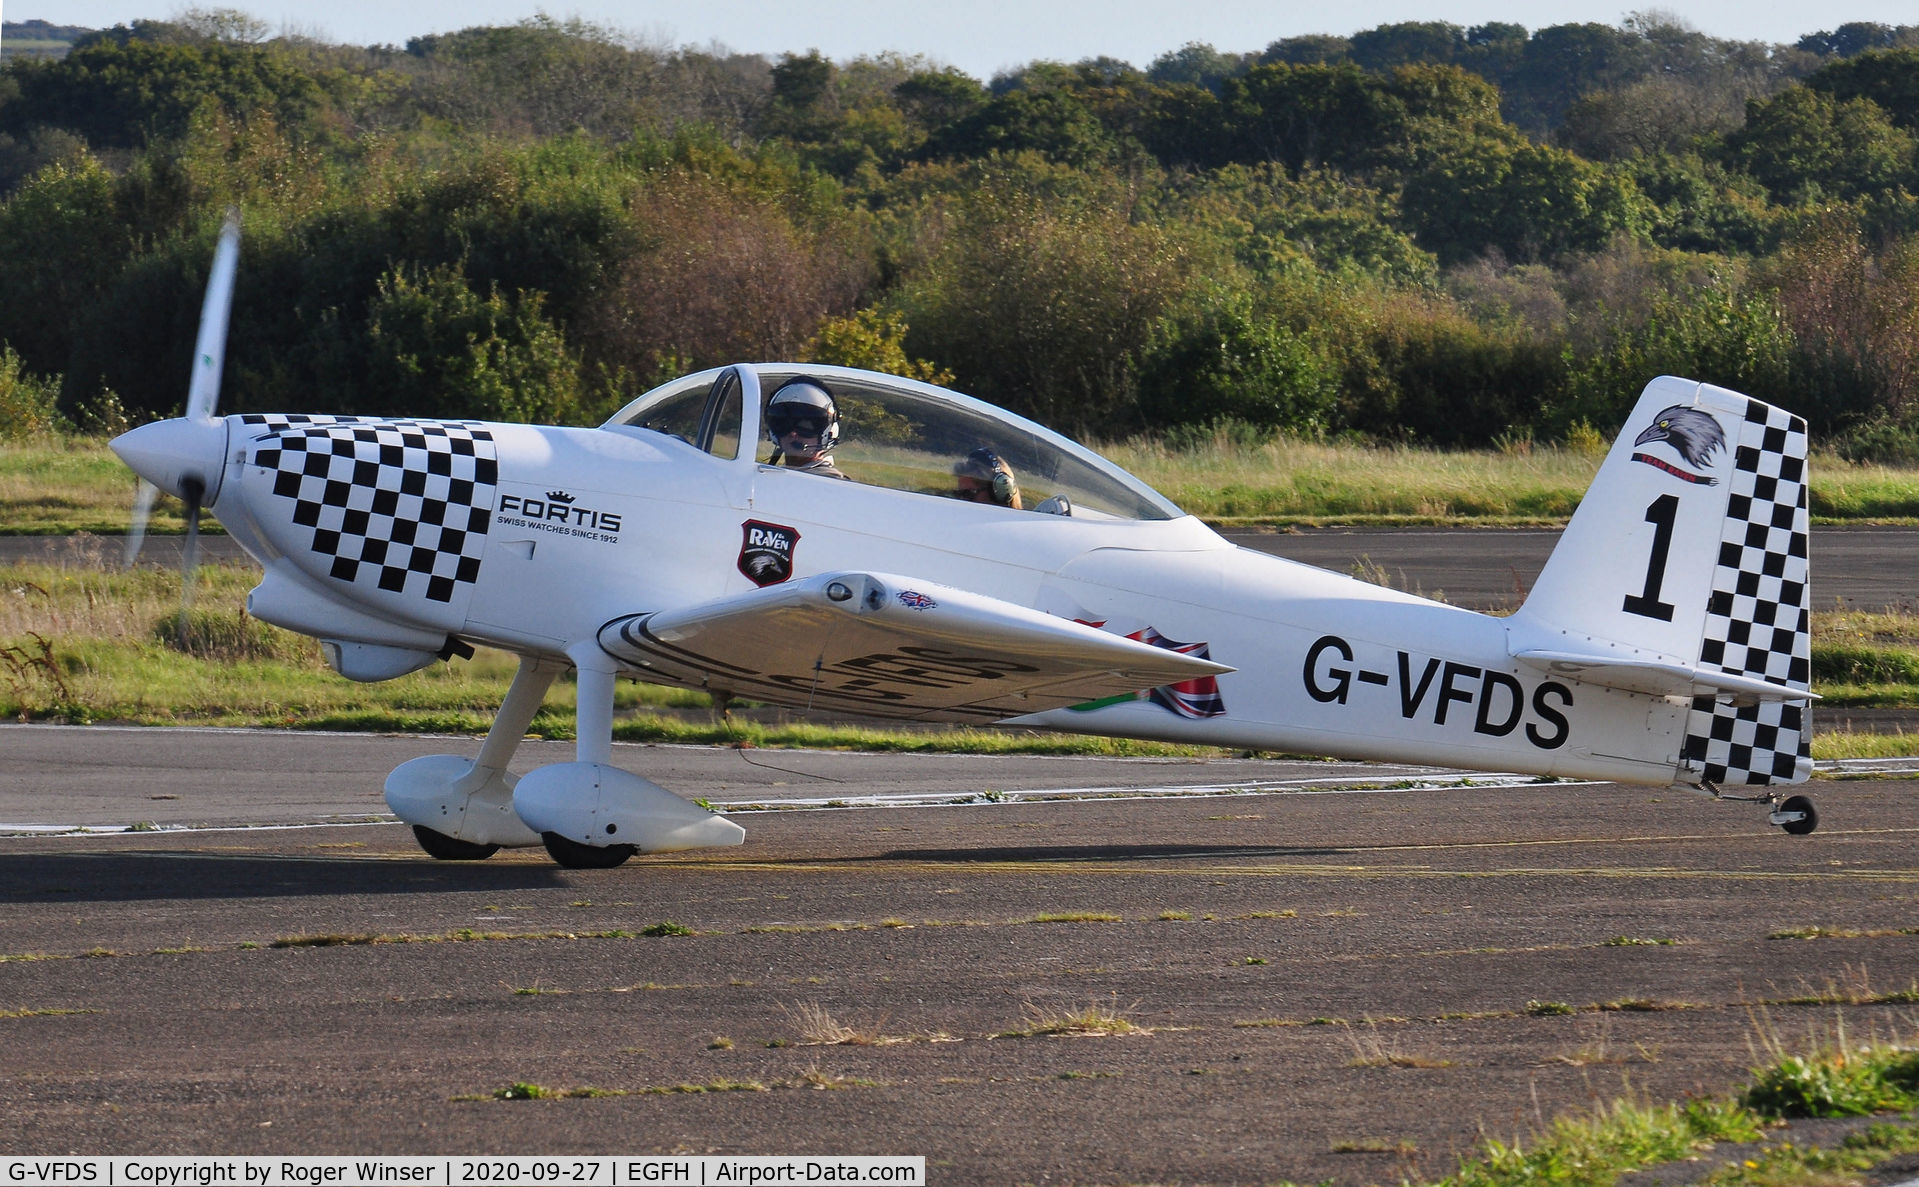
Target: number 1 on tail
{"x": 1646, "y": 603}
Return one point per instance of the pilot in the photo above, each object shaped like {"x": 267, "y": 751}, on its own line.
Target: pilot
{"x": 804, "y": 424}
{"x": 984, "y": 477}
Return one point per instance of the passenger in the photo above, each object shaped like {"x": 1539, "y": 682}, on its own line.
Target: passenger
{"x": 984, "y": 477}
{"x": 804, "y": 424}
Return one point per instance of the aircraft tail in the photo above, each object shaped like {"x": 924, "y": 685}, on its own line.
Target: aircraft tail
{"x": 1684, "y": 574}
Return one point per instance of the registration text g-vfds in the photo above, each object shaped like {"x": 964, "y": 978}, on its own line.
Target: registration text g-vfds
{"x": 53, "y": 1170}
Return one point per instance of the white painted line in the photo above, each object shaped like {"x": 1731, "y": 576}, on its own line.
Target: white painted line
{"x": 1383, "y": 785}
{"x": 1869, "y": 766}
{"x": 127, "y": 830}
{"x": 1378, "y": 785}
{"x": 1392, "y": 781}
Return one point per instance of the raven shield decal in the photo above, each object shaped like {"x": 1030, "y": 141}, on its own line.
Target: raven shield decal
{"x": 766, "y": 552}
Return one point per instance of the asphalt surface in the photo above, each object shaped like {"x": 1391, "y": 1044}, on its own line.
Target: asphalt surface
{"x": 1338, "y": 972}
{"x": 1861, "y": 568}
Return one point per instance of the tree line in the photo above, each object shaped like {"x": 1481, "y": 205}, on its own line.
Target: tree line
{"x": 1421, "y": 232}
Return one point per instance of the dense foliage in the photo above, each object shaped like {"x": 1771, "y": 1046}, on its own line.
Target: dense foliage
{"x": 1419, "y": 232}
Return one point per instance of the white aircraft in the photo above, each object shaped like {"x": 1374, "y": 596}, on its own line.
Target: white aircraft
{"x": 1665, "y": 643}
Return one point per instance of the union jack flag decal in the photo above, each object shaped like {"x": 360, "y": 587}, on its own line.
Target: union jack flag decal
{"x": 1198, "y": 697}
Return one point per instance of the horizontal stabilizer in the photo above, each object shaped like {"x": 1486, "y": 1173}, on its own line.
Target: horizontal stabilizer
{"x": 1658, "y": 679}
{"x": 888, "y": 646}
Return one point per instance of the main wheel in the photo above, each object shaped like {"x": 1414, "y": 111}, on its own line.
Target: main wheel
{"x": 1800, "y": 803}
{"x": 575, "y": 856}
{"x": 447, "y": 848}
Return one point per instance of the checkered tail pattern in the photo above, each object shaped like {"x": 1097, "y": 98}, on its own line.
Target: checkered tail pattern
{"x": 399, "y": 505}
{"x": 1757, "y": 622}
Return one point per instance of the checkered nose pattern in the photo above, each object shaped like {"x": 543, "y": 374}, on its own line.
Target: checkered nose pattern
{"x": 401, "y": 505}
{"x": 1757, "y": 621}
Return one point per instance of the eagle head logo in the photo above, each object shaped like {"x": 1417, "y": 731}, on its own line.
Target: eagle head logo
{"x": 1692, "y": 432}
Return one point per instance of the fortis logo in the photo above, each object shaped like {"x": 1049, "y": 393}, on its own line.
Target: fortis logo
{"x": 560, "y": 507}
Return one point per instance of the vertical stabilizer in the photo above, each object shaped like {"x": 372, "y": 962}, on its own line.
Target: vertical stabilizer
{"x": 1688, "y": 559}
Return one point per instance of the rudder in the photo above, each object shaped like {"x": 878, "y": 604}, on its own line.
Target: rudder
{"x": 1758, "y": 618}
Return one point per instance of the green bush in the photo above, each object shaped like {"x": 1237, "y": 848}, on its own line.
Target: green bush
{"x": 1416, "y": 368}
{"x": 1715, "y": 334}
{"x": 1226, "y": 363}
{"x": 27, "y": 404}
{"x": 65, "y": 239}
{"x": 1829, "y": 1084}
{"x": 1805, "y": 145}
{"x": 1529, "y": 202}
{"x": 1044, "y": 302}
{"x": 441, "y": 349}
{"x": 873, "y": 341}
{"x": 1885, "y": 442}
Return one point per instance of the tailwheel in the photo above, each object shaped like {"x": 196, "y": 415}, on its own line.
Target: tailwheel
{"x": 575, "y": 856}
{"x": 446, "y": 848}
{"x": 1797, "y": 815}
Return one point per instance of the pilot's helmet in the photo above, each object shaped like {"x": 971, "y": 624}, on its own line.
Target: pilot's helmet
{"x": 994, "y": 475}
{"x": 803, "y": 404}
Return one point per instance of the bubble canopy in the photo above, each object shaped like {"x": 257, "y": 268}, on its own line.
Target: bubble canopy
{"x": 897, "y": 433}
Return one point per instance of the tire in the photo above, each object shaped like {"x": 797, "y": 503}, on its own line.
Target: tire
{"x": 1800, "y": 803}
{"x": 445, "y": 848}
{"x": 575, "y": 856}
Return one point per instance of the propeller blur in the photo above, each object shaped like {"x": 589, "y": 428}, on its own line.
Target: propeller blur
{"x": 184, "y": 460}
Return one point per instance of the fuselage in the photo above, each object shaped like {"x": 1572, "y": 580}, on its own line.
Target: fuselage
{"x": 539, "y": 536}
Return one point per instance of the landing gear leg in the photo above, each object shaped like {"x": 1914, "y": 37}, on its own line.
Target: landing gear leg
{"x": 523, "y": 700}
{"x": 591, "y": 814}
{"x": 461, "y": 809}
{"x": 1796, "y": 814}
{"x": 593, "y": 733}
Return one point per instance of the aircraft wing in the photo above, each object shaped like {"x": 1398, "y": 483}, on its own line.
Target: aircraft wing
{"x": 882, "y": 645}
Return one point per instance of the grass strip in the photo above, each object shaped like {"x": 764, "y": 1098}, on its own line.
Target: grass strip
{"x": 1790, "y": 1165}
{"x": 1595, "y": 1149}
{"x": 1834, "y": 1079}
